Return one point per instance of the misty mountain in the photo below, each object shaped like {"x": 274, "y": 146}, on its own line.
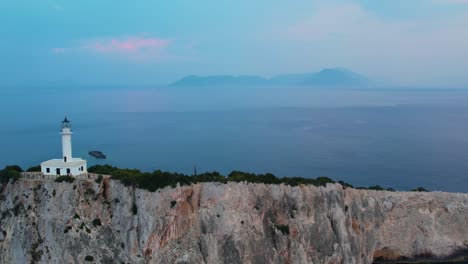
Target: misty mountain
{"x": 327, "y": 77}
{"x": 335, "y": 77}
{"x": 291, "y": 79}
{"x": 220, "y": 80}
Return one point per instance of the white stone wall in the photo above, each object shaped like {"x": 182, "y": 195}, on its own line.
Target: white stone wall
{"x": 63, "y": 170}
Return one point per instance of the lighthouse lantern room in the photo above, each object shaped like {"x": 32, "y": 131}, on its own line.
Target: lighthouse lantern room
{"x": 67, "y": 165}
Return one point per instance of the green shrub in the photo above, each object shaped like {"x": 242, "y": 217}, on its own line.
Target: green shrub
{"x": 76, "y": 216}
{"x": 102, "y": 169}
{"x": 345, "y": 184}
{"x": 99, "y": 179}
{"x": 13, "y": 168}
{"x": 283, "y": 228}
{"x": 34, "y": 169}
{"x": 173, "y": 203}
{"x": 376, "y": 188}
{"x": 97, "y": 222}
{"x": 18, "y": 209}
{"x": 159, "y": 179}
{"x": 90, "y": 192}
{"x": 35, "y": 254}
{"x": 68, "y": 179}
{"x": 89, "y": 258}
{"x": 419, "y": 189}
{"x": 11, "y": 172}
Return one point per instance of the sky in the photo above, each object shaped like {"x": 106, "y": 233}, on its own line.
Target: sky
{"x": 153, "y": 42}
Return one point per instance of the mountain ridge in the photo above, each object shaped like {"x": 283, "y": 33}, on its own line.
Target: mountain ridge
{"x": 329, "y": 77}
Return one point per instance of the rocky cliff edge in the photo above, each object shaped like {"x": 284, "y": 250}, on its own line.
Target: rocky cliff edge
{"x": 107, "y": 222}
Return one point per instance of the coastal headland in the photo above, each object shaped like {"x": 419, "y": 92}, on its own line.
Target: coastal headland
{"x": 108, "y": 221}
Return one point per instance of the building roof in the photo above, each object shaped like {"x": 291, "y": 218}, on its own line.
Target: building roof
{"x": 75, "y": 162}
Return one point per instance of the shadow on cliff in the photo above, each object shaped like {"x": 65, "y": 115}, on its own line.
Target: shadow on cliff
{"x": 388, "y": 256}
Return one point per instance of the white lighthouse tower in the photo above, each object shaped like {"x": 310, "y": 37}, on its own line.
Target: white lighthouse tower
{"x": 66, "y": 140}
{"x": 67, "y": 165}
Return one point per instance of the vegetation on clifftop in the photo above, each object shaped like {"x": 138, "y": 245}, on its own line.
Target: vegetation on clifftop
{"x": 10, "y": 172}
{"x": 69, "y": 179}
{"x": 159, "y": 179}
{"x": 34, "y": 168}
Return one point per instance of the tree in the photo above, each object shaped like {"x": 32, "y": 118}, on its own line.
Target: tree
{"x": 14, "y": 168}
{"x": 34, "y": 168}
{"x": 10, "y": 172}
{"x": 419, "y": 189}
{"x": 376, "y": 188}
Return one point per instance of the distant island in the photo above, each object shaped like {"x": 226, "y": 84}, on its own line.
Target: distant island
{"x": 334, "y": 77}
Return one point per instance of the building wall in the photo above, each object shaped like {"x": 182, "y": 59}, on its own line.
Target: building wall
{"x": 63, "y": 170}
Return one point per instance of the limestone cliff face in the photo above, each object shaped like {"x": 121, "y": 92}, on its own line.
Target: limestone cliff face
{"x": 48, "y": 222}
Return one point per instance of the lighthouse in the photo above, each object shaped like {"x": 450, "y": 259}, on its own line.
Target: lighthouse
{"x": 66, "y": 140}
{"x": 67, "y": 165}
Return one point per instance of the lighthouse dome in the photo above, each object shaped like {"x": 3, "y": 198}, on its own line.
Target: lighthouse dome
{"x": 66, "y": 123}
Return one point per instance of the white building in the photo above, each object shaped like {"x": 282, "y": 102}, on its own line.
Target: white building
{"x": 67, "y": 165}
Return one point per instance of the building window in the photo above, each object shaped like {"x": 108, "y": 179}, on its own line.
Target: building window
{"x": 65, "y": 159}
{"x": 47, "y": 170}
{"x": 68, "y": 171}
{"x": 81, "y": 168}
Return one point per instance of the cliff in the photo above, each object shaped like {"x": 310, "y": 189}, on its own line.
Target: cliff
{"x": 49, "y": 222}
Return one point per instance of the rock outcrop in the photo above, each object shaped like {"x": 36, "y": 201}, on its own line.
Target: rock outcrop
{"x": 49, "y": 222}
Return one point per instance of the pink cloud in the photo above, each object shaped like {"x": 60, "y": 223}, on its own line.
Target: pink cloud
{"x": 127, "y": 45}
{"x": 138, "y": 49}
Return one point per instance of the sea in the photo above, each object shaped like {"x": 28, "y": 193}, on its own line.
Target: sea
{"x": 392, "y": 137}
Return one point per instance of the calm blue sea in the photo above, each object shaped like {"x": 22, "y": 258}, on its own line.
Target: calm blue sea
{"x": 394, "y": 138}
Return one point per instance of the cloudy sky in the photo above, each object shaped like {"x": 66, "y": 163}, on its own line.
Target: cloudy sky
{"x": 405, "y": 42}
